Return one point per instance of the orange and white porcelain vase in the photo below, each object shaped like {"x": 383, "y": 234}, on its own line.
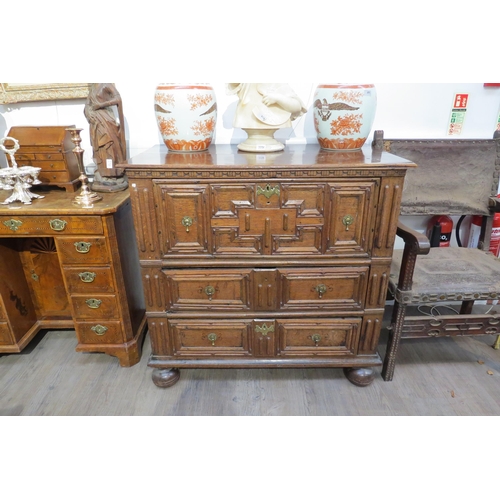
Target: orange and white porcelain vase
{"x": 344, "y": 114}
{"x": 186, "y": 114}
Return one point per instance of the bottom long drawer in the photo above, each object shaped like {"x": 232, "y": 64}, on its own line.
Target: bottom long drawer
{"x": 255, "y": 338}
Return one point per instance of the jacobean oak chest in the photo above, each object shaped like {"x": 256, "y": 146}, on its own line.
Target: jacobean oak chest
{"x": 265, "y": 260}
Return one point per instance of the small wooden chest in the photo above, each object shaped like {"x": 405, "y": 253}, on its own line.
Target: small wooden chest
{"x": 51, "y": 149}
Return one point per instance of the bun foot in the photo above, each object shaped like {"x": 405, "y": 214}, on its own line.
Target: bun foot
{"x": 165, "y": 378}
{"x": 362, "y": 377}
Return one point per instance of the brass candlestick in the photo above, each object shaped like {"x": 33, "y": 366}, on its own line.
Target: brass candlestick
{"x": 86, "y": 198}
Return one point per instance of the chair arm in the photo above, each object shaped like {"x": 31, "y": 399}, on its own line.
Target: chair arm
{"x": 415, "y": 244}
{"x": 494, "y": 204}
{"x": 418, "y": 241}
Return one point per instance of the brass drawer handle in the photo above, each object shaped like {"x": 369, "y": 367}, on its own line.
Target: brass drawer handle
{"x": 99, "y": 330}
{"x": 268, "y": 191}
{"x": 187, "y": 222}
{"x": 212, "y": 338}
{"x": 316, "y": 339}
{"x": 13, "y": 224}
{"x": 93, "y": 303}
{"x": 58, "y": 224}
{"x": 87, "y": 277}
{"x": 82, "y": 247}
{"x": 321, "y": 290}
{"x": 264, "y": 330}
{"x": 209, "y": 291}
{"x": 348, "y": 220}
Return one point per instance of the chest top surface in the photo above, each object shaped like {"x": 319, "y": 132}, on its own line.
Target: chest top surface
{"x": 227, "y": 157}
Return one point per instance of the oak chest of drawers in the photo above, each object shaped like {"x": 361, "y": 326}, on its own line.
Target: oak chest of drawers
{"x": 63, "y": 266}
{"x": 273, "y": 260}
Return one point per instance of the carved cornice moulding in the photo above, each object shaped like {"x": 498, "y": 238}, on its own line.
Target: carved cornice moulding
{"x": 11, "y": 93}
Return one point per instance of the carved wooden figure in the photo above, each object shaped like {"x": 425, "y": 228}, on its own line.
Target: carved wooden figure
{"x": 107, "y": 136}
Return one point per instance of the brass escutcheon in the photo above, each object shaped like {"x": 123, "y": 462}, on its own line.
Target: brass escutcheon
{"x": 13, "y": 224}
{"x": 316, "y": 339}
{"x": 212, "y": 338}
{"x": 99, "y": 330}
{"x": 264, "y": 330}
{"x": 321, "y": 290}
{"x": 93, "y": 303}
{"x": 268, "y": 191}
{"x": 187, "y": 222}
{"x": 82, "y": 247}
{"x": 87, "y": 277}
{"x": 348, "y": 220}
{"x": 58, "y": 224}
{"x": 209, "y": 291}
{"x": 34, "y": 276}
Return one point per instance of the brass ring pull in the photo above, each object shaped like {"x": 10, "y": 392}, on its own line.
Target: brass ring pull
{"x": 316, "y": 339}
{"x": 212, "y": 338}
{"x": 209, "y": 291}
{"x": 321, "y": 290}
{"x": 187, "y": 222}
{"x": 348, "y": 220}
{"x": 13, "y": 224}
{"x": 99, "y": 330}
{"x": 58, "y": 224}
{"x": 87, "y": 277}
{"x": 82, "y": 247}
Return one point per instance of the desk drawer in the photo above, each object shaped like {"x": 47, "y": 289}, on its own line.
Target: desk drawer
{"x": 99, "y": 332}
{"x": 82, "y": 251}
{"x": 53, "y": 176}
{"x": 49, "y": 225}
{"x": 95, "y": 306}
{"x": 89, "y": 280}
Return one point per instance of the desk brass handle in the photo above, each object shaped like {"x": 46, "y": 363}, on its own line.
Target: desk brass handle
{"x": 316, "y": 339}
{"x": 58, "y": 224}
{"x": 212, "y": 338}
{"x": 93, "y": 303}
{"x": 87, "y": 277}
{"x": 99, "y": 330}
{"x": 13, "y": 224}
{"x": 82, "y": 247}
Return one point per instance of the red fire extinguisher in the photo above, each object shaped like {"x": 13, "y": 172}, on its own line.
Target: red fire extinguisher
{"x": 475, "y": 231}
{"x": 439, "y": 230}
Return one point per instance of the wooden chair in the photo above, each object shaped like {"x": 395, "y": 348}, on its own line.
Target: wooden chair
{"x": 454, "y": 177}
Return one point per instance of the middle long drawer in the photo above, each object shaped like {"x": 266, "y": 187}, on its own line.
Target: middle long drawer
{"x": 267, "y": 289}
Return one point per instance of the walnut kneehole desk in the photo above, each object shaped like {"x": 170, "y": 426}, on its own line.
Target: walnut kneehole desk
{"x": 62, "y": 266}
{"x": 265, "y": 260}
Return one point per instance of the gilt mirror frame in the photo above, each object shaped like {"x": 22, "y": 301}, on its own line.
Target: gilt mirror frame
{"x": 11, "y": 93}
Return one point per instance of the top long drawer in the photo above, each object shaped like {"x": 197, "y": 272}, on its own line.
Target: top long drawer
{"x": 49, "y": 225}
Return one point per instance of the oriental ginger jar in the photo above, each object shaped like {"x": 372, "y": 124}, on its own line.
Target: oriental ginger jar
{"x": 344, "y": 114}
{"x": 186, "y": 114}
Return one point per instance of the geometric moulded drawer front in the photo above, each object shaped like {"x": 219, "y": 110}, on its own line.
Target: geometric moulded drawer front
{"x": 327, "y": 337}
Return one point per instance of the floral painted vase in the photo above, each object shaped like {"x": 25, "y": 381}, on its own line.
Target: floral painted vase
{"x": 186, "y": 114}
{"x": 344, "y": 114}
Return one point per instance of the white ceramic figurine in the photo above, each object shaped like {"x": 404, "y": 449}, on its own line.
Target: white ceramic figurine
{"x": 263, "y": 109}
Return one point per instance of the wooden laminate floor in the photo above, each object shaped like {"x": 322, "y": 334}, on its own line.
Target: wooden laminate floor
{"x": 446, "y": 376}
